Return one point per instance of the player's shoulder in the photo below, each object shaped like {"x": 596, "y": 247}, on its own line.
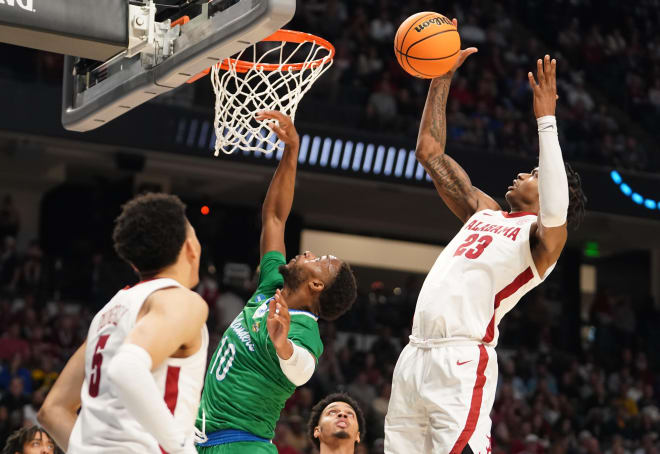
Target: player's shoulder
{"x": 178, "y": 299}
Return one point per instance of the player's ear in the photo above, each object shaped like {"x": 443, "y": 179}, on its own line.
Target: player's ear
{"x": 316, "y": 286}
{"x": 358, "y": 438}
{"x": 189, "y": 249}
{"x": 317, "y": 432}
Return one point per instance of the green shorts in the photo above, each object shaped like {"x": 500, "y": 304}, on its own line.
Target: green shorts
{"x": 241, "y": 447}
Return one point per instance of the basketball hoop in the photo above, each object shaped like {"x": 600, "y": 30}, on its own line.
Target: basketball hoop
{"x": 282, "y": 69}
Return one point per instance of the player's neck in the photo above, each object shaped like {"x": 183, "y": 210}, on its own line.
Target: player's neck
{"x": 173, "y": 273}
{"x": 342, "y": 447}
{"x": 524, "y": 208}
{"x": 297, "y": 300}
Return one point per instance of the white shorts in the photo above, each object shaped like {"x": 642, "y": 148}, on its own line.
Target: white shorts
{"x": 442, "y": 395}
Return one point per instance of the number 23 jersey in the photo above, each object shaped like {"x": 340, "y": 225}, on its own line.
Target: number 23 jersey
{"x": 480, "y": 276}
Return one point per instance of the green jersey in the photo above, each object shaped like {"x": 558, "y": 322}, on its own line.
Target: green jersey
{"x": 244, "y": 387}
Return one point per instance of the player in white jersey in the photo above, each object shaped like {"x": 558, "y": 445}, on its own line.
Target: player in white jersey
{"x": 444, "y": 382}
{"x": 139, "y": 374}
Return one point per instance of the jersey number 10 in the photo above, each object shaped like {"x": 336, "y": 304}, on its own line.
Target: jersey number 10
{"x": 226, "y": 359}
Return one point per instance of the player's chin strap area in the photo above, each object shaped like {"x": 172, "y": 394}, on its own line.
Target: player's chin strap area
{"x": 200, "y": 435}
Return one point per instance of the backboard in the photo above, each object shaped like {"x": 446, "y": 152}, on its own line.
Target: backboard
{"x": 163, "y": 54}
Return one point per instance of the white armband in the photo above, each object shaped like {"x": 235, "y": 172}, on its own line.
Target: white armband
{"x": 553, "y": 183}
{"x": 130, "y": 375}
{"x": 300, "y": 367}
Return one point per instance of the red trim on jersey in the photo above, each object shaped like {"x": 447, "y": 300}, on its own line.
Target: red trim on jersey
{"x": 171, "y": 391}
{"x": 506, "y": 292}
{"x": 518, "y": 214}
{"x": 172, "y": 387}
{"x": 475, "y": 404}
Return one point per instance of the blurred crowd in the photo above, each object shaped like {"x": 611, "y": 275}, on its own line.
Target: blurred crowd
{"x": 490, "y": 101}
{"x": 621, "y": 59}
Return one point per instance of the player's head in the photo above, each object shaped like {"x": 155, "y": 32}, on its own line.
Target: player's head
{"x": 30, "y": 440}
{"x": 152, "y": 234}
{"x": 328, "y": 280}
{"x": 523, "y": 194}
{"x": 336, "y": 419}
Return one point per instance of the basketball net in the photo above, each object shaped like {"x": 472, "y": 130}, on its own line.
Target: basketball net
{"x": 244, "y": 86}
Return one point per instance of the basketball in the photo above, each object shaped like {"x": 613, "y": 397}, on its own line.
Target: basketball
{"x": 427, "y": 45}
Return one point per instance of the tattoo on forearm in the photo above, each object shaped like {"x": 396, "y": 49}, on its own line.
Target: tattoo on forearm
{"x": 439, "y": 92}
{"x": 445, "y": 172}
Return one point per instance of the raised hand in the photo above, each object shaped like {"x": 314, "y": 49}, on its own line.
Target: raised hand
{"x": 545, "y": 91}
{"x": 463, "y": 54}
{"x": 285, "y": 131}
{"x": 278, "y": 323}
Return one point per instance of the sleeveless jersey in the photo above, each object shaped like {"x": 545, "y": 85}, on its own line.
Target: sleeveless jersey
{"x": 104, "y": 426}
{"x": 480, "y": 276}
{"x": 245, "y": 387}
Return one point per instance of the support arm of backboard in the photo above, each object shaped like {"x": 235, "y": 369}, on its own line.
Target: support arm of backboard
{"x": 203, "y": 41}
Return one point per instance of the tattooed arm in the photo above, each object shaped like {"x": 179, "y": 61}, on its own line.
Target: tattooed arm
{"x": 449, "y": 178}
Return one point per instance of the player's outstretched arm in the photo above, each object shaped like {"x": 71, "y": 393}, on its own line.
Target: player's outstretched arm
{"x": 59, "y": 411}
{"x": 451, "y": 181}
{"x": 174, "y": 319}
{"x": 550, "y": 232}
{"x": 279, "y": 199}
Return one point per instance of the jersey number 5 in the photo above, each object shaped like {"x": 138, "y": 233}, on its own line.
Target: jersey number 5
{"x": 477, "y": 250}
{"x": 97, "y": 361}
{"x": 226, "y": 359}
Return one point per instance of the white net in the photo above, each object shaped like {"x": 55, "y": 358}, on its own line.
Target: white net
{"x": 276, "y": 80}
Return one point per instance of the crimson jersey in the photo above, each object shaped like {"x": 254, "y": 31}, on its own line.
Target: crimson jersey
{"x": 104, "y": 425}
{"x": 480, "y": 276}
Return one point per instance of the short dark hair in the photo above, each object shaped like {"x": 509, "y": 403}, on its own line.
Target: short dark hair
{"x": 150, "y": 232}
{"x": 577, "y": 200}
{"x": 338, "y": 297}
{"x": 315, "y": 415}
{"x": 17, "y": 440}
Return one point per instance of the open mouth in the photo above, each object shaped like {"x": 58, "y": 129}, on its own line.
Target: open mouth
{"x": 342, "y": 425}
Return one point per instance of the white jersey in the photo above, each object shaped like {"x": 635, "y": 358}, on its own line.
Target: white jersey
{"x": 104, "y": 426}
{"x": 480, "y": 276}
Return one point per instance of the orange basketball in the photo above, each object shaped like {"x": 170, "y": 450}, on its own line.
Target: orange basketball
{"x": 427, "y": 45}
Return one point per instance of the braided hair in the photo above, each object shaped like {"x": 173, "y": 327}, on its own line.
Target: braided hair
{"x": 577, "y": 200}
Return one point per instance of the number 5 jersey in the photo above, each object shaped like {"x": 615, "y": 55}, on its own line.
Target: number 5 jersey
{"x": 104, "y": 425}
{"x": 480, "y": 276}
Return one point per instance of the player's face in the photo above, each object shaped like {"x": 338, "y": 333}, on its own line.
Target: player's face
{"x": 524, "y": 189}
{"x": 40, "y": 444}
{"x": 324, "y": 268}
{"x": 338, "y": 422}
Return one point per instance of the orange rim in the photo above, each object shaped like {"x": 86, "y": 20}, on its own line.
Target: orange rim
{"x": 289, "y": 36}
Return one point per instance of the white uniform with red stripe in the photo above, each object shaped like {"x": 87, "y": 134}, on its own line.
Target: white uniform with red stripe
{"x": 104, "y": 426}
{"x": 445, "y": 379}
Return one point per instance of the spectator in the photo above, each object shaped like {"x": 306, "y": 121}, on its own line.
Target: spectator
{"x": 15, "y": 400}
{"x": 9, "y": 218}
